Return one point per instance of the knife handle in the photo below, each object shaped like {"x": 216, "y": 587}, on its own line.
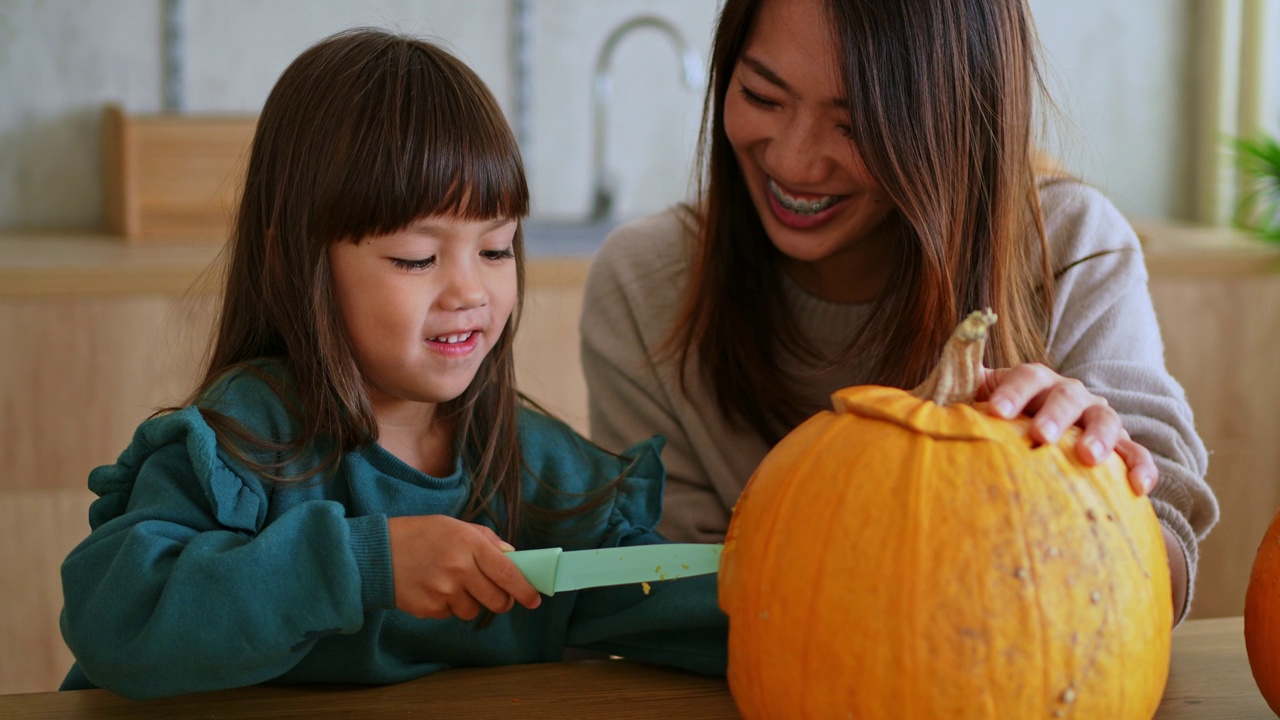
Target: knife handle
{"x": 539, "y": 567}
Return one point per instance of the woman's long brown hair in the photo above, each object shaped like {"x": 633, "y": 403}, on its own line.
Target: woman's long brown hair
{"x": 940, "y": 93}
{"x": 363, "y": 133}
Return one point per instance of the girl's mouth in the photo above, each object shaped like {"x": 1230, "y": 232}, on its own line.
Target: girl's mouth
{"x": 801, "y": 212}
{"x": 455, "y": 344}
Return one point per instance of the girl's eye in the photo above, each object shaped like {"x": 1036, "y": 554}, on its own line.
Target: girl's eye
{"x": 496, "y": 255}
{"x": 846, "y": 131}
{"x": 757, "y": 100}
{"x": 422, "y": 264}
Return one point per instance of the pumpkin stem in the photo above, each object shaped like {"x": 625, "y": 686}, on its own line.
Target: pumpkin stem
{"x": 956, "y": 377}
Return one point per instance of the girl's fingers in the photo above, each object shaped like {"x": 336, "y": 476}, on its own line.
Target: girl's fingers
{"x": 488, "y": 594}
{"x": 464, "y": 606}
{"x": 493, "y": 538}
{"x": 502, "y": 573}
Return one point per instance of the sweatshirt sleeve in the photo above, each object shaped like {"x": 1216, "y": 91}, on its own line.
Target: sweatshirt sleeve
{"x": 184, "y": 586}
{"x": 674, "y": 622}
{"x": 1105, "y": 333}
{"x": 629, "y": 303}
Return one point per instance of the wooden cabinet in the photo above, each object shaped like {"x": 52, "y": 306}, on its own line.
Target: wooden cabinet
{"x": 1219, "y": 312}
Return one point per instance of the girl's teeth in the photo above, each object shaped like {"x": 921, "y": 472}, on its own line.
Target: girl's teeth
{"x": 798, "y": 206}
{"x": 451, "y": 339}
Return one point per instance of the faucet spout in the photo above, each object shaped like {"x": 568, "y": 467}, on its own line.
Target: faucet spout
{"x": 691, "y": 77}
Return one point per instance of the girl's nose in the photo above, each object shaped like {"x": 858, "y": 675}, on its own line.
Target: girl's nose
{"x": 463, "y": 289}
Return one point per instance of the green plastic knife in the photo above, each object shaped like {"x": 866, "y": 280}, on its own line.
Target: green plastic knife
{"x": 553, "y": 570}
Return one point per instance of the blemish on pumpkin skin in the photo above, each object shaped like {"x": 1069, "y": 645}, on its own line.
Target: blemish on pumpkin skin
{"x": 1095, "y": 597}
{"x": 1068, "y": 696}
{"x": 1021, "y": 573}
{"x": 1091, "y": 514}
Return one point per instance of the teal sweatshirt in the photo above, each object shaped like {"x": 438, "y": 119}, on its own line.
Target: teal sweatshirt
{"x": 199, "y": 575}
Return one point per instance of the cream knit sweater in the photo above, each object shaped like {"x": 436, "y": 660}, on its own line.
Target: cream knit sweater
{"x": 1103, "y": 332}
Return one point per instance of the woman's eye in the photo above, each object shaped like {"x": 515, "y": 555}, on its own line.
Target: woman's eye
{"x": 504, "y": 254}
{"x": 422, "y": 264}
{"x": 754, "y": 99}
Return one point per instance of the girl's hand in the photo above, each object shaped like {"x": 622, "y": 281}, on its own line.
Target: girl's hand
{"x": 444, "y": 566}
{"x": 1056, "y": 403}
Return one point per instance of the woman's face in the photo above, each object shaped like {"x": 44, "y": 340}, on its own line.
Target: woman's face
{"x": 787, "y": 118}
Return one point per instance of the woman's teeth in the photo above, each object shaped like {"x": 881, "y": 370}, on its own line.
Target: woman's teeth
{"x": 801, "y": 206}
{"x": 452, "y": 339}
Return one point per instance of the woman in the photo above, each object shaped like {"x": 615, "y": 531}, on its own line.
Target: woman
{"x": 867, "y": 178}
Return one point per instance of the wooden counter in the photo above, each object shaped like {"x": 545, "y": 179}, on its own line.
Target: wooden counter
{"x": 97, "y": 334}
{"x": 1209, "y": 679}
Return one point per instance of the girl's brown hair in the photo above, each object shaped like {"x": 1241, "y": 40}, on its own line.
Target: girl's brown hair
{"x": 940, "y": 93}
{"x": 364, "y": 133}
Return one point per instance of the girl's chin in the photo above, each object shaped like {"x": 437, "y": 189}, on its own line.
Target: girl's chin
{"x": 796, "y": 221}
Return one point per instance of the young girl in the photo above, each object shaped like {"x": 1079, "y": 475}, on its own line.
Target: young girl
{"x": 334, "y": 503}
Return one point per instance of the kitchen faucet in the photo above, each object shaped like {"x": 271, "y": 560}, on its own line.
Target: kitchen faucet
{"x": 602, "y": 181}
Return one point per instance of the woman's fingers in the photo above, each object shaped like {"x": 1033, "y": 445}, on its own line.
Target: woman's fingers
{"x": 1012, "y": 391}
{"x": 1056, "y": 403}
{"x": 1102, "y": 430}
{"x": 1143, "y": 473}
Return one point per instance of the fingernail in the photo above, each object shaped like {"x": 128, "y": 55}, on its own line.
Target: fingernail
{"x": 1048, "y": 430}
{"x": 505, "y": 547}
{"x": 1148, "y": 482}
{"x": 1095, "y": 449}
{"x": 1003, "y": 407}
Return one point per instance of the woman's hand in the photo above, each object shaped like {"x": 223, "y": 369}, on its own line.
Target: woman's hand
{"x": 444, "y": 566}
{"x": 1056, "y": 403}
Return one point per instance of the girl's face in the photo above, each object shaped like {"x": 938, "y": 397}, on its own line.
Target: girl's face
{"x": 423, "y": 306}
{"x": 787, "y": 118}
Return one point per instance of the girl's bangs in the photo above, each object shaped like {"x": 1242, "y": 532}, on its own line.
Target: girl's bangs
{"x": 429, "y": 140}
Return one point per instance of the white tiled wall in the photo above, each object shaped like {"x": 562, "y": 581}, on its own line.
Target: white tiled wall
{"x": 1120, "y": 73}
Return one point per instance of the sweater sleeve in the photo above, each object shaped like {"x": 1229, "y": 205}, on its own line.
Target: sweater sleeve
{"x": 184, "y": 586}
{"x": 1105, "y": 334}
{"x": 674, "y": 622}
{"x": 621, "y": 332}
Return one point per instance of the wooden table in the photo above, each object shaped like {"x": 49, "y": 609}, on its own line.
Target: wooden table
{"x": 1209, "y": 680}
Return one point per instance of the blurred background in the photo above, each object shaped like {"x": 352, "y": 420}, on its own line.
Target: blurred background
{"x": 1145, "y": 89}
{"x": 98, "y": 326}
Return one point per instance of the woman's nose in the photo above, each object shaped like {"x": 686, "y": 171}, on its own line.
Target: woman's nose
{"x": 799, "y": 154}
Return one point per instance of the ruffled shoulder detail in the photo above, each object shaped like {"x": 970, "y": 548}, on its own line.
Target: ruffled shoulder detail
{"x": 234, "y": 502}
{"x": 637, "y": 507}
{"x": 568, "y": 470}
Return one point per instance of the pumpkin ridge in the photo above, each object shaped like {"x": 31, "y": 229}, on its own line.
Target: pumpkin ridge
{"x": 920, "y": 460}
{"x": 781, "y": 502}
{"x": 1085, "y": 669}
{"x": 1011, "y": 482}
{"x": 822, "y": 562}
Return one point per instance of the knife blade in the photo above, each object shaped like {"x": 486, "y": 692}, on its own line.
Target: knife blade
{"x": 552, "y": 570}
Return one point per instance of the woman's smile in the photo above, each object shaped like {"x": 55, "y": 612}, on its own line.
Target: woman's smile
{"x": 800, "y": 211}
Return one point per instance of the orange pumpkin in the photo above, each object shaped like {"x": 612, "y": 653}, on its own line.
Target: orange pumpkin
{"x": 1262, "y": 616}
{"x": 901, "y": 558}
